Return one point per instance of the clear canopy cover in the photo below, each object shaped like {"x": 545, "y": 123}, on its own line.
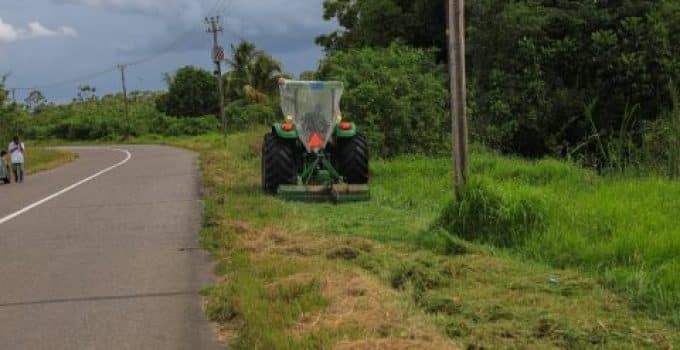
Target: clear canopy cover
{"x": 314, "y": 107}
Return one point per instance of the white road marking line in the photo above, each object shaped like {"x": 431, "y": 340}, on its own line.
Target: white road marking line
{"x": 67, "y": 189}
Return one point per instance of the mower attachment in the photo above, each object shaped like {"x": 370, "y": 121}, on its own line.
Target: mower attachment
{"x": 339, "y": 193}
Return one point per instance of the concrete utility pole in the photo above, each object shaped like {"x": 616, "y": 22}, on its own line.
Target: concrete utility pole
{"x": 214, "y": 27}
{"x": 122, "y": 68}
{"x": 456, "y": 34}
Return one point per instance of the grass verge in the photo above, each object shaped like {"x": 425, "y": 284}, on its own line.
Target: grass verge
{"x": 385, "y": 274}
{"x": 41, "y": 159}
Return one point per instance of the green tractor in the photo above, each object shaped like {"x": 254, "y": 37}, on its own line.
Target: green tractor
{"x": 314, "y": 155}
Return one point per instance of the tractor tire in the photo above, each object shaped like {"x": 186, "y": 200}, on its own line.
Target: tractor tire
{"x": 351, "y": 159}
{"x": 278, "y": 163}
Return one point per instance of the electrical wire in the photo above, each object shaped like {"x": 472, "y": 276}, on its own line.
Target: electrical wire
{"x": 66, "y": 82}
{"x": 219, "y": 5}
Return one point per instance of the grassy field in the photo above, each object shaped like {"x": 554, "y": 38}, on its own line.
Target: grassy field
{"x": 41, "y": 159}
{"x": 555, "y": 257}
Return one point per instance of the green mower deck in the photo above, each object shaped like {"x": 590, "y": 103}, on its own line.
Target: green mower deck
{"x": 339, "y": 193}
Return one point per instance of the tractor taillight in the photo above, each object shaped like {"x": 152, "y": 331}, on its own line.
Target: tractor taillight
{"x": 287, "y": 127}
{"x": 345, "y": 126}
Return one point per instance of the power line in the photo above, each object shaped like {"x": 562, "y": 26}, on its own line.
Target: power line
{"x": 219, "y": 4}
{"x": 67, "y": 82}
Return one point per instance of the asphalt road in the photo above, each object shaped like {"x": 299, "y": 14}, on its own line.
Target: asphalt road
{"x": 112, "y": 263}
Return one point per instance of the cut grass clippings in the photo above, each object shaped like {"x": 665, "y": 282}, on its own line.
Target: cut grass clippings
{"x": 384, "y": 275}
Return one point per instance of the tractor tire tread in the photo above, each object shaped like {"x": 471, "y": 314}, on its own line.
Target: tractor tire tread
{"x": 352, "y": 159}
{"x": 278, "y": 163}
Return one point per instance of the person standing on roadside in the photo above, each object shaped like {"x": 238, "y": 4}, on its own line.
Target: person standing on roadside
{"x": 16, "y": 153}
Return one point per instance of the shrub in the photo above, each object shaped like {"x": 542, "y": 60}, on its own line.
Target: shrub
{"x": 104, "y": 119}
{"x": 172, "y": 126}
{"x": 662, "y": 139}
{"x": 488, "y": 213}
{"x": 242, "y": 116}
{"x": 397, "y": 95}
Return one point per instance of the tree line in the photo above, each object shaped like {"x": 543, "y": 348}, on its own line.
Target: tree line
{"x": 592, "y": 81}
{"x": 546, "y": 77}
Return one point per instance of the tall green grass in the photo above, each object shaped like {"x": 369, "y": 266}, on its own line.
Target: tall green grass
{"x": 624, "y": 230}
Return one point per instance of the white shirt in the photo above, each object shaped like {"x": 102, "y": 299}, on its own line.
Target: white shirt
{"x": 18, "y": 154}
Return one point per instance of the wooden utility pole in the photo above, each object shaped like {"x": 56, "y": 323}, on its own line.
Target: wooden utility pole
{"x": 214, "y": 28}
{"x": 456, "y": 36}
{"x": 122, "y": 68}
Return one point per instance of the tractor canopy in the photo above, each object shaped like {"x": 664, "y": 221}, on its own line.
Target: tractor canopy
{"x": 314, "y": 108}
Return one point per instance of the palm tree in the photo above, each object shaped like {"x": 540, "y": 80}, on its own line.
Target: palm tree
{"x": 253, "y": 74}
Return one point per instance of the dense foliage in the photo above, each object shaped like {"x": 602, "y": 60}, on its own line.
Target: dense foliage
{"x": 191, "y": 93}
{"x": 397, "y": 96}
{"x": 187, "y": 108}
{"x": 535, "y": 66}
{"x": 8, "y": 115}
{"x": 417, "y": 23}
{"x": 253, "y": 75}
{"x": 104, "y": 119}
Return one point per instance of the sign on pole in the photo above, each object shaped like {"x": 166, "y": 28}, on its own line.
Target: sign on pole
{"x": 218, "y": 54}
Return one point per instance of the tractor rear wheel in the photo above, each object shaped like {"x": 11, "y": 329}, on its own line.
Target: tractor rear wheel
{"x": 278, "y": 163}
{"x": 352, "y": 159}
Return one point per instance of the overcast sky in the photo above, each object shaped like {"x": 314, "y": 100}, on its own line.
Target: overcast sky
{"x": 46, "y": 41}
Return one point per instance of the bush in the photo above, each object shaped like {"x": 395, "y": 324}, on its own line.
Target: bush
{"x": 662, "y": 140}
{"x": 243, "y": 116}
{"x": 488, "y": 213}
{"x": 171, "y": 126}
{"x": 397, "y": 95}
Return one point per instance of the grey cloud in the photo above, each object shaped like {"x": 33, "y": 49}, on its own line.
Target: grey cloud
{"x": 277, "y": 25}
{"x": 10, "y": 33}
{"x": 184, "y": 11}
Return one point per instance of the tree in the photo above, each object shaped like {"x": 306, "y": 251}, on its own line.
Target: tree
{"x": 397, "y": 94}
{"x": 9, "y": 114}
{"x": 35, "y": 101}
{"x": 86, "y": 93}
{"x": 191, "y": 93}
{"x": 253, "y": 75}
{"x": 534, "y": 65}
{"x": 370, "y": 23}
